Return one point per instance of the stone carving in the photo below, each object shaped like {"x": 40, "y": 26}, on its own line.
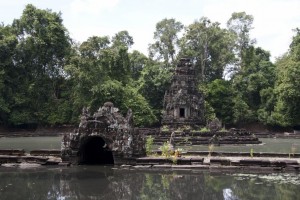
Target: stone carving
{"x": 215, "y": 125}
{"x": 117, "y": 134}
{"x": 183, "y": 103}
{"x": 172, "y": 141}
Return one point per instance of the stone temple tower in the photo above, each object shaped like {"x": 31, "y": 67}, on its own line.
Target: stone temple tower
{"x": 183, "y": 103}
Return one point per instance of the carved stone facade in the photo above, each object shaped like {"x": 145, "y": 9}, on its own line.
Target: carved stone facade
{"x": 215, "y": 125}
{"x": 106, "y": 137}
{"x": 183, "y": 103}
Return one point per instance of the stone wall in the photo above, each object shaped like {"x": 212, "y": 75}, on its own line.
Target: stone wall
{"x": 109, "y": 132}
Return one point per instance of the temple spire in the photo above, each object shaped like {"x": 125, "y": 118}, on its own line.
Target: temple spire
{"x": 183, "y": 103}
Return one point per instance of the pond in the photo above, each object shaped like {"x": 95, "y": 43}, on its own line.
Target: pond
{"x": 111, "y": 182}
{"x": 30, "y": 143}
{"x": 107, "y": 182}
{"x": 278, "y": 145}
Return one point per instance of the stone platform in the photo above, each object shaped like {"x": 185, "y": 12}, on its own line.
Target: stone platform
{"x": 182, "y": 138}
{"x": 267, "y": 164}
{"x": 195, "y": 160}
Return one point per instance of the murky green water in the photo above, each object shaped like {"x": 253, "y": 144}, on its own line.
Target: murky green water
{"x": 100, "y": 182}
{"x": 278, "y": 145}
{"x": 106, "y": 182}
{"x": 30, "y": 143}
{"x": 269, "y": 145}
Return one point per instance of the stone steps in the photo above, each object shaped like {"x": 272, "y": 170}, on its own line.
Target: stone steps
{"x": 201, "y": 138}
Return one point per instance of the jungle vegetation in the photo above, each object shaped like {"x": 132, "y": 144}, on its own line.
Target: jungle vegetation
{"x": 46, "y": 77}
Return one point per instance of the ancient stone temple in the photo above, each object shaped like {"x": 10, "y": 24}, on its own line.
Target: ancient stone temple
{"x": 183, "y": 103}
{"x": 106, "y": 137}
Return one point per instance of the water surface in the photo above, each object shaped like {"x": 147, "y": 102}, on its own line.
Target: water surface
{"x": 278, "y": 145}
{"x": 106, "y": 182}
{"x": 31, "y": 143}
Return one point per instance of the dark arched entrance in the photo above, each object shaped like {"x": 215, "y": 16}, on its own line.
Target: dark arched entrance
{"x": 94, "y": 151}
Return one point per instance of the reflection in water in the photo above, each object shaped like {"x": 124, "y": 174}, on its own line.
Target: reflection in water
{"x": 228, "y": 194}
{"x": 104, "y": 182}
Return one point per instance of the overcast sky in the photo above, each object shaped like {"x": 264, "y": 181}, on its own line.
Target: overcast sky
{"x": 273, "y": 19}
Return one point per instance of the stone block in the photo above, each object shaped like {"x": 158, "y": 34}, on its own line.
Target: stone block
{"x": 183, "y": 161}
{"x": 219, "y": 161}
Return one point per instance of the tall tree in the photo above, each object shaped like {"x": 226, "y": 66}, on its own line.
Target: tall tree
{"x": 153, "y": 83}
{"x": 120, "y": 63}
{"x": 286, "y": 112}
{"x": 240, "y": 25}
{"x": 122, "y": 38}
{"x": 100, "y": 71}
{"x": 88, "y": 68}
{"x": 165, "y": 47}
{"x": 42, "y": 50}
{"x": 137, "y": 63}
{"x": 8, "y": 77}
{"x": 210, "y": 45}
{"x": 220, "y": 95}
{"x": 253, "y": 81}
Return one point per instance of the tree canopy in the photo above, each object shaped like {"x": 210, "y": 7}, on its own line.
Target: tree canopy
{"x": 46, "y": 78}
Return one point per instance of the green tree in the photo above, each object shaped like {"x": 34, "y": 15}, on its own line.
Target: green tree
{"x": 210, "y": 45}
{"x": 88, "y": 68}
{"x": 220, "y": 96}
{"x": 240, "y": 25}
{"x": 120, "y": 65}
{"x": 41, "y": 53}
{"x": 122, "y": 38}
{"x": 124, "y": 98}
{"x": 153, "y": 83}
{"x": 286, "y": 112}
{"x": 165, "y": 47}
{"x": 137, "y": 63}
{"x": 8, "y": 81}
{"x": 100, "y": 71}
{"x": 254, "y": 80}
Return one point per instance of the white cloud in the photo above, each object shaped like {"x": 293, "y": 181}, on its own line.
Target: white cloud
{"x": 92, "y": 6}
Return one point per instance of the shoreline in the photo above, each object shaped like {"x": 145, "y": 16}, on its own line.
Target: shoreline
{"x": 271, "y": 163}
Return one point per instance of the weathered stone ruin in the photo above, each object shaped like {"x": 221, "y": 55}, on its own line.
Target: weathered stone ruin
{"x": 183, "y": 115}
{"x": 106, "y": 137}
{"x": 196, "y": 137}
{"x": 183, "y": 103}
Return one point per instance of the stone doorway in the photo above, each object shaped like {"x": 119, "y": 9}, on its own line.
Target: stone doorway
{"x": 182, "y": 113}
{"x": 94, "y": 151}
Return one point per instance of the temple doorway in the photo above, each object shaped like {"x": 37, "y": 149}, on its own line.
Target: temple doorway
{"x": 182, "y": 113}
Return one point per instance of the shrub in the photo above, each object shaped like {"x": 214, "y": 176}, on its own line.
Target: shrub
{"x": 166, "y": 149}
{"x": 149, "y": 145}
{"x": 204, "y": 129}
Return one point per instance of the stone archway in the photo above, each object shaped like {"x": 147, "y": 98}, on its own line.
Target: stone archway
{"x": 94, "y": 151}
{"x": 105, "y": 137}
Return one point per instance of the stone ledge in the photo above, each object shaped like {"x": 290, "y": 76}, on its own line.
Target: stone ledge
{"x": 227, "y": 163}
{"x": 46, "y": 152}
{"x": 15, "y": 152}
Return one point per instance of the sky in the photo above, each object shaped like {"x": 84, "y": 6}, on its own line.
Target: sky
{"x": 274, "y": 20}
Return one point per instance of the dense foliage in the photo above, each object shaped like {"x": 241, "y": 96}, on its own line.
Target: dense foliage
{"x": 46, "y": 78}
